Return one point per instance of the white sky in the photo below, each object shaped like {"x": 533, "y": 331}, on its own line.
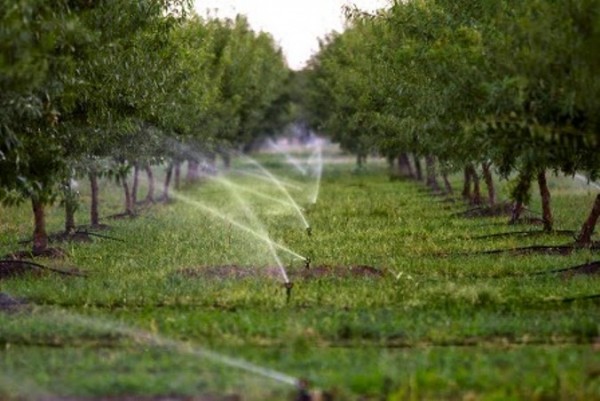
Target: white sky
{"x": 295, "y": 24}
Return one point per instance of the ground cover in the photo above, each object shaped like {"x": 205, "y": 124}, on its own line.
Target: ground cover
{"x": 404, "y": 304}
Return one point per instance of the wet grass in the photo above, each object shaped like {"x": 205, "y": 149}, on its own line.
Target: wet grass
{"x": 443, "y": 322}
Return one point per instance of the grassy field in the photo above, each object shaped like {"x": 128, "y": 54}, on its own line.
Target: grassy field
{"x": 190, "y": 303}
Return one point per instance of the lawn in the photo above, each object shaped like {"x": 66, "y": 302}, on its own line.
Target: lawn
{"x": 398, "y": 303}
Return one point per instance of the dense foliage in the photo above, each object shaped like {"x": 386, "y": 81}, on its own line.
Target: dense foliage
{"x": 93, "y": 88}
{"x": 467, "y": 83}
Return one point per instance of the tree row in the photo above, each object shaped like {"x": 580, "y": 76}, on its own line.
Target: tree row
{"x": 101, "y": 88}
{"x": 479, "y": 86}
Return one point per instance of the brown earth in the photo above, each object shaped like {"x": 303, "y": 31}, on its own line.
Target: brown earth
{"x": 240, "y": 272}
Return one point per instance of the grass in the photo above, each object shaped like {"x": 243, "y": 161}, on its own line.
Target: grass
{"x": 439, "y": 324}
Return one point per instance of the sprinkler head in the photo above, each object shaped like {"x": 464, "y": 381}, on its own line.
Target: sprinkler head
{"x": 303, "y": 393}
{"x": 309, "y": 231}
{"x": 288, "y": 290}
{"x": 307, "y": 263}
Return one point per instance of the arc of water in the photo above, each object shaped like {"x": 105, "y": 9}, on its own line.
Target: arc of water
{"x": 319, "y": 173}
{"x": 251, "y": 191}
{"x": 281, "y": 188}
{"x": 239, "y": 225}
{"x": 587, "y": 181}
{"x": 250, "y": 213}
{"x": 154, "y": 339}
{"x": 290, "y": 159}
{"x": 268, "y": 179}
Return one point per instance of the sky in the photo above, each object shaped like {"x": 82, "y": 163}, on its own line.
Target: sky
{"x": 294, "y": 24}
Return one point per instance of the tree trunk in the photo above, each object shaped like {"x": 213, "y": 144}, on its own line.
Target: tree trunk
{"x": 585, "y": 235}
{"x": 192, "y": 172}
{"x": 226, "y": 160}
{"x": 136, "y": 183}
{"x": 545, "y": 194}
{"x": 476, "y": 195}
{"x": 405, "y": 166}
{"x": 94, "y": 219}
{"x": 466, "y": 192}
{"x": 40, "y": 237}
{"x": 418, "y": 169}
{"x": 128, "y": 198}
{"x": 360, "y": 160}
{"x": 489, "y": 182}
{"x": 167, "y": 182}
{"x": 517, "y": 210}
{"x": 211, "y": 160}
{"x": 431, "y": 173}
{"x": 178, "y": 176}
{"x": 520, "y": 194}
{"x": 70, "y": 208}
{"x": 447, "y": 184}
{"x": 150, "y": 195}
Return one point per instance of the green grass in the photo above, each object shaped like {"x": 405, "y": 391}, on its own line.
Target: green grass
{"x": 440, "y": 323}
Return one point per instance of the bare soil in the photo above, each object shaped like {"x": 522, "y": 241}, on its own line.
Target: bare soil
{"x": 562, "y": 250}
{"x": 587, "y": 269}
{"x": 50, "y": 253}
{"x": 10, "y": 304}
{"x": 241, "y": 272}
{"x": 233, "y": 397}
{"x": 13, "y": 267}
{"x": 499, "y": 209}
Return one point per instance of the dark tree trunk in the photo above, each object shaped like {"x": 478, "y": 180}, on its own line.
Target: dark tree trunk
{"x": 167, "y": 182}
{"x": 489, "y": 182}
{"x": 150, "y": 195}
{"x": 226, "y": 160}
{"x": 517, "y": 210}
{"x": 360, "y": 160}
{"x": 128, "y": 198}
{"x": 431, "y": 173}
{"x": 192, "y": 171}
{"x": 94, "y": 217}
{"x": 211, "y": 160}
{"x": 177, "y": 175}
{"x": 585, "y": 235}
{"x": 40, "y": 237}
{"x": 466, "y": 192}
{"x": 418, "y": 169}
{"x": 447, "y": 184}
{"x": 136, "y": 183}
{"x": 404, "y": 161}
{"x": 476, "y": 195}
{"x": 70, "y": 208}
{"x": 520, "y": 194}
{"x": 390, "y": 160}
{"x": 545, "y": 195}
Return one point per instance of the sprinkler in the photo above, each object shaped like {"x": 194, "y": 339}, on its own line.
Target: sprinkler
{"x": 303, "y": 393}
{"x": 309, "y": 231}
{"x": 288, "y": 290}
{"x": 307, "y": 263}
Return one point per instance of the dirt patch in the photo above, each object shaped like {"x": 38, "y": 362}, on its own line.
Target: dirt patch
{"x": 148, "y": 398}
{"x": 499, "y": 209}
{"x": 50, "y": 253}
{"x": 17, "y": 267}
{"x": 587, "y": 269}
{"x": 240, "y": 272}
{"x": 529, "y": 233}
{"x": 121, "y": 216}
{"x": 12, "y": 268}
{"x": 10, "y": 304}
{"x": 543, "y": 249}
